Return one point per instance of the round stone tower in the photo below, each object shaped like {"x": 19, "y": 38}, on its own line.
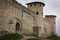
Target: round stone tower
{"x": 37, "y": 8}
{"x": 52, "y": 20}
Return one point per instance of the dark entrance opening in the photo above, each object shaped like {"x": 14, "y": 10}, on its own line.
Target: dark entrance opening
{"x": 36, "y": 31}
{"x": 17, "y": 26}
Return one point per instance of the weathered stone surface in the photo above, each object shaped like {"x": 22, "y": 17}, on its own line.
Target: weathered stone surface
{"x": 14, "y": 17}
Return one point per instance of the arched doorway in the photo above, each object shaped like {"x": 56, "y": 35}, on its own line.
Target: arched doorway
{"x": 17, "y": 26}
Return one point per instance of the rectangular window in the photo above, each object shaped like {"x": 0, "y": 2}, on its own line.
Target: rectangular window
{"x": 36, "y": 31}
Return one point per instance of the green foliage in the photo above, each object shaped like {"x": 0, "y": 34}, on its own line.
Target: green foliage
{"x": 33, "y": 39}
{"x": 54, "y": 38}
{"x": 12, "y": 36}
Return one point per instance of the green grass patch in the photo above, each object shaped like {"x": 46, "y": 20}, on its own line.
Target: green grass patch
{"x": 12, "y": 36}
{"x": 33, "y": 39}
{"x": 54, "y": 38}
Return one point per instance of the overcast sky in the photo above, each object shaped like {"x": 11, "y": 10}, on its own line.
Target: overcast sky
{"x": 52, "y": 7}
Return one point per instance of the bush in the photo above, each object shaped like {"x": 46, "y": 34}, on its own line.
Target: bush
{"x": 33, "y": 39}
{"x": 13, "y": 36}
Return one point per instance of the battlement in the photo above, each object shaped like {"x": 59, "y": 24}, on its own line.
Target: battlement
{"x": 50, "y": 16}
{"x": 36, "y": 3}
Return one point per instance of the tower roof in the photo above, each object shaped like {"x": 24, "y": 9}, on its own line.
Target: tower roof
{"x": 35, "y": 2}
{"x": 50, "y": 15}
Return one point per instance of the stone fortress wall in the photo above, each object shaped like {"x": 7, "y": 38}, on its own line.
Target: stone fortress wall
{"x": 14, "y": 17}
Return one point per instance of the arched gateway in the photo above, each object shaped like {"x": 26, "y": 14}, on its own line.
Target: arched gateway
{"x": 18, "y": 24}
{"x": 17, "y": 28}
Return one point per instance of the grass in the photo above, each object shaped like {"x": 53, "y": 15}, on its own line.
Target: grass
{"x": 33, "y": 39}
{"x": 12, "y": 36}
{"x": 15, "y": 36}
{"x": 53, "y": 38}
